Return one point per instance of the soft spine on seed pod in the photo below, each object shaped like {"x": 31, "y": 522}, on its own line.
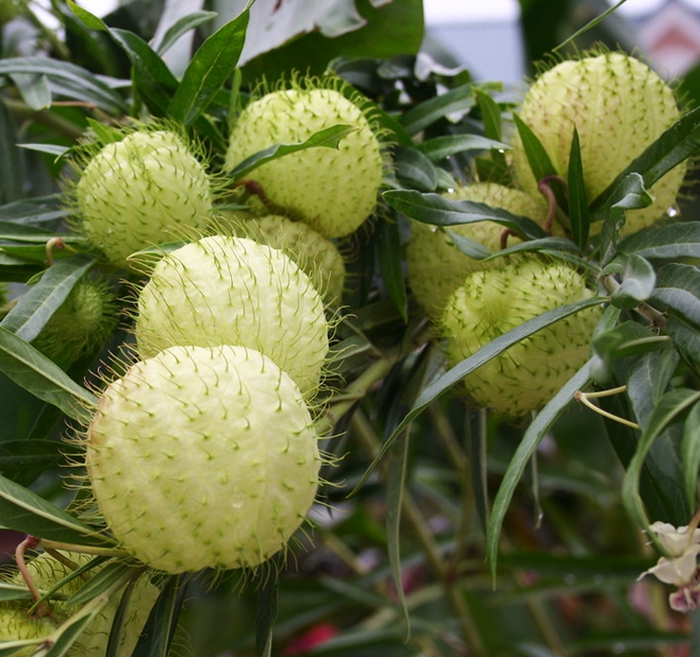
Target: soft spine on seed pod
{"x": 317, "y": 256}
{"x": 143, "y": 190}
{"x": 233, "y": 290}
{"x": 46, "y": 571}
{"x": 227, "y": 452}
{"x": 492, "y": 302}
{"x": 81, "y": 324}
{"x": 334, "y": 190}
{"x": 436, "y": 266}
{"x": 619, "y": 106}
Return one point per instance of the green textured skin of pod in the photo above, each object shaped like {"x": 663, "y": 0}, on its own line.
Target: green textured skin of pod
{"x": 436, "y": 266}
{"x": 619, "y": 107}
{"x": 333, "y": 190}
{"x": 492, "y": 302}
{"x": 80, "y": 324}
{"x": 233, "y": 290}
{"x": 142, "y": 191}
{"x": 46, "y": 572}
{"x": 227, "y": 458}
{"x": 315, "y": 254}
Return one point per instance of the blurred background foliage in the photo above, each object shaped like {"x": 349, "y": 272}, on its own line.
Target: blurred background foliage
{"x": 570, "y": 556}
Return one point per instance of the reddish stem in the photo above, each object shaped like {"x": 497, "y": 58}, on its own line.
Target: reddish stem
{"x": 544, "y": 186}
{"x": 255, "y": 188}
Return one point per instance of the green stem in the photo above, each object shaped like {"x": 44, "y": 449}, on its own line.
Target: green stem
{"x": 49, "y": 119}
{"x": 410, "y": 512}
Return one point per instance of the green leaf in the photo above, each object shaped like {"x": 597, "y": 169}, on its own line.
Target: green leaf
{"x": 389, "y": 256}
{"x": 526, "y": 448}
{"x": 690, "y": 455}
{"x": 395, "y": 484}
{"x": 24, "y": 511}
{"x": 414, "y": 169}
{"x": 490, "y": 115}
{"x": 49, "y": 149}
{"x": 537, "y": 157}
{"x": 686, "y": 340}
{"x": 211, "y": 66}
{"x": 626, "y": 339}
{"x": 488, "y": 352}
{"x": 326, "y": 138}
{"x": 385, "y": 30}
{"x": 32, "y": 211}
{"x": 113, "y": 575}
{"x": 181, "y": 26}
{"x": 68, "y": 80}
{"x": 267, "y": 603}
{"x": 470, "y": 247}
{"x": 89, "y": 19}
{"x": 434, "y": 209}
{"x": 668, "y": 410}
{"x": 458, "y": 100}
{"x": 438, "y": 148}
{"x": 36, "y": 373}
{"x": 677, "y": 291}
{"x": 11, "y": 182}
{"x": 638, "y": 281}
{"x": 151, "y": 76}
{"x": 671, "y": 241}
{"x": 578, "y": 199}
{"x": 36, "y": 306}
{"x": 35, "y": 90}
{"x": 157, "y": 635}
{"x": 23, "y": 461}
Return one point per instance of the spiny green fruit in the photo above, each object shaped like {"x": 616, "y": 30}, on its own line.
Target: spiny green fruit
{"x": 492, "y": 302}
{"x": 619, "y": 107}
{"x": 16, "y": 622}
{"x": 226, "y": 452}
{"x": 233, "y": 290}
{"x": 333, "y": 190}
{"x": 84, "y": 320}
{"x": 436, "y": 266}
{"x": 315, "y": 254}
{"x": 141, "y": 191}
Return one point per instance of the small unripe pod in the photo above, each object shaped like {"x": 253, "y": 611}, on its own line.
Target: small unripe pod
{"x": 492, "y": 302}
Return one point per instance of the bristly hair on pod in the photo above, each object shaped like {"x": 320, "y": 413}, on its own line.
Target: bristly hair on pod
{"x": 619, "y": 106}
{"x": 332, "y": 189}
{"x": 232, "y": 290}
{"x": 133, "y": 186}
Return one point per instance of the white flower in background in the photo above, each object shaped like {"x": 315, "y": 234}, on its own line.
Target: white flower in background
{"x": 679, "y": 568}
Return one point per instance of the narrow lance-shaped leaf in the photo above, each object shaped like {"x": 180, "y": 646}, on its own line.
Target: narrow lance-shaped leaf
{"x": 579, "y": 217}
{"x": 157, "y": 635}
{"x": 396, "y": 480}
{"x": 151, "y": 76}
{"x": 210, "y": 67}
{"x": 414, "y": 169}
{"x": 389, "y": 249}
{"x": 437, "y": 210}
{"x": 428, "y": 112}
{"x": 690, "y": 455}
{"x": 526, "y": 448}
{"x": 638, "y": 281}
{"x": 181, "y": 26}
{"x": 488, "y": 352}
{"x": 36, "y": 373}
{"x": 267, "y": 601}
{"x": 678, "y": 291}
{"x": 668, "y": 410}
{"x": 438, "y": 148}
{"x": 35, "y": 307}
{"x": 68, "y": 79}
{"x": 326, "y": 138}
{"x": 671, "y": 241}
{"x": 490, "y": 115}
{"x": 25, "y": 511}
